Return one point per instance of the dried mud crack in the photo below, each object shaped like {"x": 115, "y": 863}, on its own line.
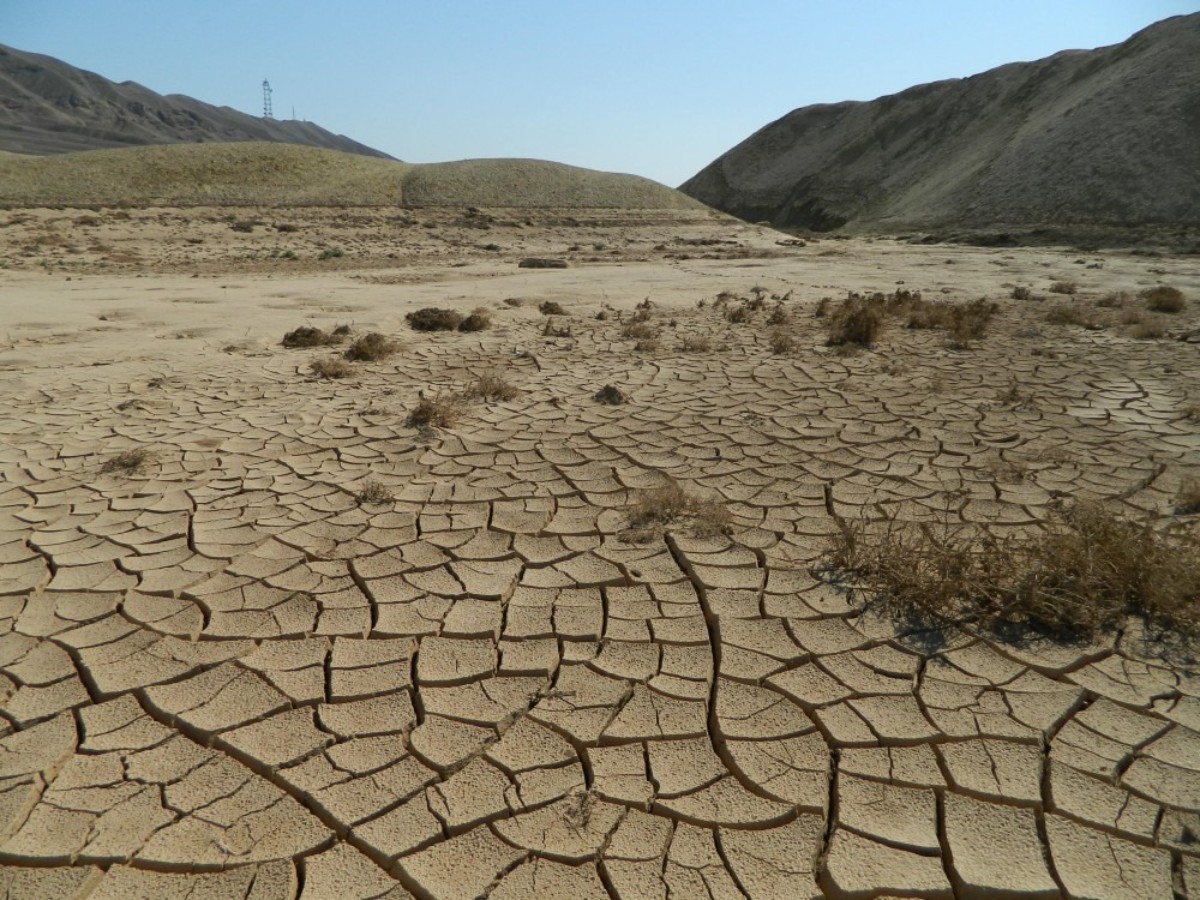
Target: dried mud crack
{"x": 224, "y": 673}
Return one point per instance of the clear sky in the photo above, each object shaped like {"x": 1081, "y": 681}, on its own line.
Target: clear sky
{"x": 658, "y": 88}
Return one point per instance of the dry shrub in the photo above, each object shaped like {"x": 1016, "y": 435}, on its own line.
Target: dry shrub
{"x": 1113, "y": 300}
{"x": 1022, "y": 293}
{"x": 962, "y": 322}
{"x": 441, "y": 411}
{"x": 330, "y": 367}
{"x": 779, "y": 315}
{"x": 1088, "y": 570}
{"x": 782, "y": 341}
{"x": 1187, "y": 501}
{"x": 639, "y": 331}
{"x": 433, "y": 319}
{"x": 491, "y": 386}
{"x": 738, "y": 315}
{"x": 1164, "y": 299}
{"x": 1064, "y": 287}
{"x": 514, "y": 301}
{"x": 1149, "y": 331}
{"x": 374, "y": 493}
{"x": 857, "y": 321}
{"x": 307, "y": 336}
{"x": 127, "y": 462}
{"x": 646, "y": 345}
{"x": 610, "y": 395}
{"x": 551, "y": 308}
{"x": 1069, "y": 314}
{"x": 370, "y": 348}
{"x": 656, "y": 508}
{"x": 695, "y": 345}
{"x": 479, "y": 320}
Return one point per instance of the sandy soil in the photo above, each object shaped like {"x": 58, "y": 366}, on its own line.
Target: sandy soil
{"x": 224, "y": 675}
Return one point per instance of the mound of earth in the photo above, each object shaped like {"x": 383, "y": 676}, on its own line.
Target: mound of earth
{"x": 1108, "y": 137}
{"x": 49, "y": 107}
{"x": 268, "y": 174}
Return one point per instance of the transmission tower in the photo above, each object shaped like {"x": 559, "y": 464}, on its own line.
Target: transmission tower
{"x": 267, "y": 113}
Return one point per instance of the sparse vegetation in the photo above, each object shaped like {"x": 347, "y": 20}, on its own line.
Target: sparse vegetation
{"x": 610, "y": 395}
{"x": 551, "y": 308}
{"x": 491, "y": 386}
{"x": 127, "y": 462}
{"x": 307, "y": 336}
{"x": 638, "y": 330}
{"x": 1064, "y": 287}
{"x": 433, "y": 319}
{"x": 331, "y": 253}
{"x": 1070, "y": 314}
{"x": 330, "y": 367}
{"x": 371, "y": 348}
{"x": 656, "y": 508}
{"x": 479, "y": 320}
{"x": 441, "y": 411}
{"x": 646, "y": 345}
{"x": 1087, "y": 571}
{"x": 782, "y": 341}
{"x": 374, "y": 493}
{"x": 1020, "y": 292}
{"x": 695, "y": 344}
{"x": 1187, "y": 500}
{"x": 1163, "y": 299}
{"x": 857, "y": 321}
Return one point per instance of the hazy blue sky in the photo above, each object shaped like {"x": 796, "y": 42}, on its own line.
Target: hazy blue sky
{"x": 658, "y": 88}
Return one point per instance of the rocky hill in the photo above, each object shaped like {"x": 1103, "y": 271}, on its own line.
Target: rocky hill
{"x": 48, "y": 106}
{"x": 1098, "y": 137}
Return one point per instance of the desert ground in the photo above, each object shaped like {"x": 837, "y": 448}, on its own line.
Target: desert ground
{"x": 268, "y": 634}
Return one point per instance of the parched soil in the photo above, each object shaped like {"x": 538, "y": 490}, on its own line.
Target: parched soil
{"x": 308, "y": 642}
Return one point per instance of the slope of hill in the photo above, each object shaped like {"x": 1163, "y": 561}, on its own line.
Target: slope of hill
{"x": 265, "y": 174}
{"x": 1107, "y": 137}
{"x": 48, "y": 106}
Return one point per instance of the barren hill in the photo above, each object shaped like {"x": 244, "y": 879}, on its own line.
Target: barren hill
{"x": 48, "y": 106}
{"x": 269, "y": 174}
{"x": 1108, "y": 137}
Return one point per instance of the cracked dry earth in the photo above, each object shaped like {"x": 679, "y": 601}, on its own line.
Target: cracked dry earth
{"x": 223, "y": 676}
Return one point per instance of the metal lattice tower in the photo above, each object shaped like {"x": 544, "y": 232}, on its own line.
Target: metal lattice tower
{"x": 267, "y": 112}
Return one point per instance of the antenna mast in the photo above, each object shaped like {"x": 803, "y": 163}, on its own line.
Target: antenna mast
{"x": 267, "y": 113}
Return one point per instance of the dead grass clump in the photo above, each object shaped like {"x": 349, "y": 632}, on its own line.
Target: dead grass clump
{"x": 441, "y": 411}
{"x": 479, "y": 320}
{"x": 1069, "y": 314}
{"x": 330, "y": 367}
{"x": 782, "y": 341}
{"x": 639, "y": 331}
{"x": 656, "y": 508}
{"x": 433, "y": 319}
{"x": 374, "y": 493}
{"x": 307, "y": 336}
{"x": 1113, "y": 300}
{"x": 610, "y": 395}
{"x": 127, "y": 462}
{"x": 857, "y": 321}
{"x": 1064, "y": 287}
{"x": 1187, "y": 501}
{"x": 1020, "y": 292}
{"x": 551, "y": 308}
{"x": 491, "y": 386}
{"x": 1149, "y": 331}
{"x": 371, "y": 348}
{"x": 693, "y": 344}
{"x": 646, "y": 345}
{"x": 1088, "y": 570}
{"x": 1163, "y": 299}
{"x": 738, "y": 315}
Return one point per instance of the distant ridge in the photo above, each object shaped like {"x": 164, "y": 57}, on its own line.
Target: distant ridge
{"x": 48, "y": 106}
{"x": 1104, "y": 137}
{"x": 271, "y": 174}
